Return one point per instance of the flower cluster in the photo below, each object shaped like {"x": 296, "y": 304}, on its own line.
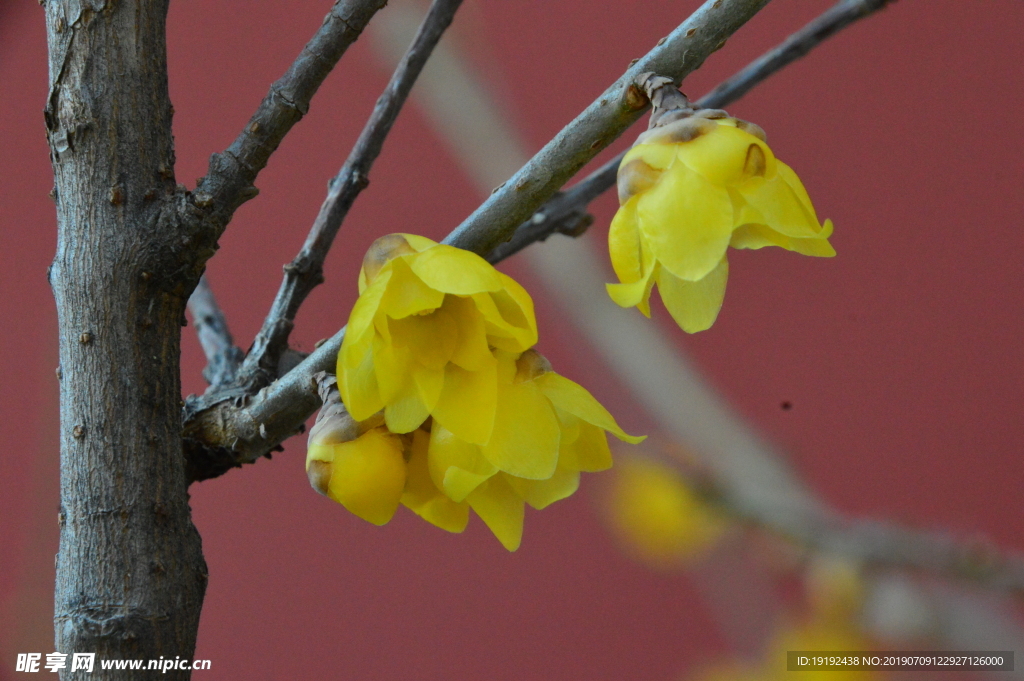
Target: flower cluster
{"x": 448, "y": 406}
{"x": 693, "y": 185}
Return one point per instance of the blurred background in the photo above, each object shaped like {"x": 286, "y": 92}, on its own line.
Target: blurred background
{"x": 886, "y": 383}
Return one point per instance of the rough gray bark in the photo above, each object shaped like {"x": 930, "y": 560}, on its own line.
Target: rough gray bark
{"x": 130, "y": 572}
{"x": 131, "y": 248}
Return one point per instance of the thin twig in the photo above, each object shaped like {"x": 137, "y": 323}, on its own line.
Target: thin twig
{"x": 305, "y": 272}
{"x": 222, "y": 357}
{"x": 676, "y": 56}
{"x": 229, "y": 180}
{"x": 563, "y": 213}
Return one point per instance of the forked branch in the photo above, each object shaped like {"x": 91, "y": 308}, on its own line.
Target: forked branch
{"x": 305, "y": 272}
{"x": 229, "y": 181}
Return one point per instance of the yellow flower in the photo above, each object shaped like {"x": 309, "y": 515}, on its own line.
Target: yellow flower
{"x": 448, "y": 408}
{"x": 689, "y": 189}
{"x": 657, "y": 516}
{"x": 419, "y": 339}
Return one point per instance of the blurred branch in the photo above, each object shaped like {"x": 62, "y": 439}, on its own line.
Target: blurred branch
{"x": 222, "y": 357}
{"x": 675, "y": 56}
{"x": 229, "y": 181}
{"x": 567, "y": 210}
{"x": 870, "y": 543}
{"x": 305, "y": 272}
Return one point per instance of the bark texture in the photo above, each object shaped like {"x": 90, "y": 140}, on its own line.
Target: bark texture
{"x": 130, "y": 572}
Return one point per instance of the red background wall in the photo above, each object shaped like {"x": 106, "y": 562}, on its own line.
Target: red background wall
{"x": 901, "y": 357}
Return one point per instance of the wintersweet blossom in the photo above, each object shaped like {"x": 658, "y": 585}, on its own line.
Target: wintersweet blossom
{"x": 419, "y": 339}
{"x": 447, "y": 407}
{"x": 693, "y": 185}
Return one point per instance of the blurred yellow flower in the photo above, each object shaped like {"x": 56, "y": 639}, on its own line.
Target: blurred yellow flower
{"x": 690, "y": 188}
{"x": 448, "y": 408}
{"x": 657, "y": 516}
{"x": 818, "y": 636}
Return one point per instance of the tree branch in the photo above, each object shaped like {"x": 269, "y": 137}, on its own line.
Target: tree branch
{"x": 305, "y": 272}
{"x": 567, "y": 210}
{"x": 229, "y": 180}
{"x": 222, "y": 356}
{"x": 676, "y": 56}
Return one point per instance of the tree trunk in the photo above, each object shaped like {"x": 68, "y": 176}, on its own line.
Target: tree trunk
{"x": 130, "y": 572}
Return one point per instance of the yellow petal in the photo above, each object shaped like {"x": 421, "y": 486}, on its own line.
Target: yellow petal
{"x": 393, "y": 367}
{"x": 657, "y": 156}
{"x": 508, "y": 316}
{"x": 368, "y": 475}
{"x": 755, "y": 236}
{"x": 573, "y": 398}
{"x": 419, "y": 243}
{"x": 429, "y": 384}
{"x": 624, "y": 244}
{"x": 406, "y": 414}
{"x": 359, "y": 331}
{"x": 687, "y": 221}
{"x": 507, "y": 326}
{"x": 453, "y": 270}
{"x": 542, "y": 493}
{"x": 358, "y": 387}
{"x": 501, "y": 509}
{"x": 780, "y": 207}
{"x": 456, "y": 466}
{"x": 636, "y": 294}
{"x": 632, "y": 260}
{"x": 694, "y": 304}
{"x": 471, "y": 350}
{"x": 406, "y": 293}
{"x": 423, "y": 498}
{"x": 467, "y": 403}
{"x": 518, "y": 308}
{"x": 524, "y": 442}
{"x": 588, "y": 452}
{"x": 631, "y": 256}
{"x": 431, "y": 337}
{"x": 722, "y": 156}
{"x": 790, "y": 177}
{"x": 404, "y": 409}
